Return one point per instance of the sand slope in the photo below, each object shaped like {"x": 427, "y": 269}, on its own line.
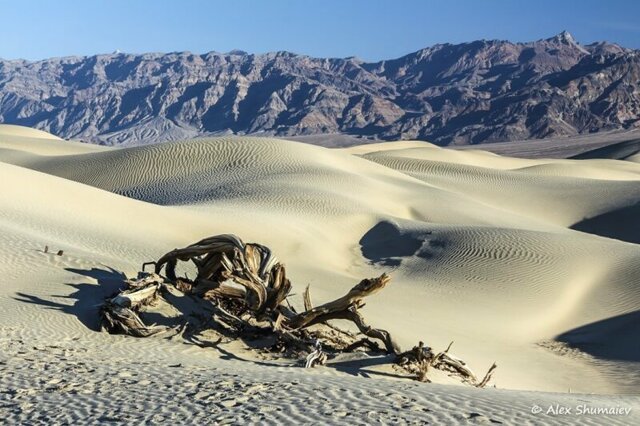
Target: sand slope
{"x": 537, "y": 189}
{"x": 479, "y": 247}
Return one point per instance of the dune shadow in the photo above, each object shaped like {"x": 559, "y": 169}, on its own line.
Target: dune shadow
{"x": 616, "y": 151}
{"x": 616, "y": 338}
{"x": 620, "y": 224}
{"x": 88, "y": 297}
{"x": 387, "y": 244}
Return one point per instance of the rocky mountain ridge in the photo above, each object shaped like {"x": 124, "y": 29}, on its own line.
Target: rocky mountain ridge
{"x": 482, "y": 91}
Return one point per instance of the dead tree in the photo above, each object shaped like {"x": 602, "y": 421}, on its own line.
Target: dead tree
{"x": 248, "y": 290}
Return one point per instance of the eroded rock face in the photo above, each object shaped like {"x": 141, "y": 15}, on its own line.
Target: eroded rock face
{"x": 448, "y": 94}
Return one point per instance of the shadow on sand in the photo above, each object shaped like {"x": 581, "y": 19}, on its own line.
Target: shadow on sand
{"x": 620, "y": 224}
{"x": 616, "y": 338}
{"x": 88, "y": 296}
{"x": 385, "y": 244}
{"x": 361, "y": 366}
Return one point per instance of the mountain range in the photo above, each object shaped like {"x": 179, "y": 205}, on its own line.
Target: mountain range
{"x": 448, "y": 94}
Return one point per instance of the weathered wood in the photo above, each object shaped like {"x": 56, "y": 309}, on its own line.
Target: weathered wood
{"x": 346, "y": 307}
{"x": 227, "y": 257}
{"x": 307, "y": 299}
{"x": 219, "y": 289}
{"x": 422, "y": 363}
{"x": 141, "y": 292}
{"x": 362, "y": 343}
{"x": 119, "y": 312}
{"x": 246, "y": 289}
{"x": 487, "y": 376}
{"x": 277, "y": 325}
{"x": 144, "y": 265}
{"x": 144, "y": 279}
{"x": 317, "y": 357}
{"x": 120, "y": 319}
{"x": 457, "y": 366}
{"x": 279, "y": 287}
{"x": 375, "y": 333}
{"x": 364, "y": 288}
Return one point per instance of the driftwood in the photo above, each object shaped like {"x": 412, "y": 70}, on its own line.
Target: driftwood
{"x": 421, "y": 358}
{"x": 245, "y": 290}
{"x": 120, "y": 313}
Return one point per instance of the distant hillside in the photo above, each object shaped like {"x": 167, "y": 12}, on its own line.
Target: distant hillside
{"x": 484, "y": 91}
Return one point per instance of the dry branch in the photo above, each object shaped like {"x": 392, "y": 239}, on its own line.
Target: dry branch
{"x": 487, "y": 376}
{"x": 307, "y": 299}
{"x": 119, "y": 312}
{"x": 365, "y": 288}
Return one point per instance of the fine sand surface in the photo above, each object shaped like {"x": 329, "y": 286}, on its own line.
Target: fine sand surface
{"x": 480, "y": 250}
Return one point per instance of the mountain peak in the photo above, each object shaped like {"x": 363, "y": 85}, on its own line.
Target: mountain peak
{"x": 564, "y": 37}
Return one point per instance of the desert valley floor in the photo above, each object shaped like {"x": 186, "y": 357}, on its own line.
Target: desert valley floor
{"x": 482, "y": 250}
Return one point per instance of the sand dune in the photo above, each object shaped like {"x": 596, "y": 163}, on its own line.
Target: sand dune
{"x": 25, "y": 140}
{"x": 538, "y": 189}
{"x": 9, "y": 131}
{"x": 479, "y": 247}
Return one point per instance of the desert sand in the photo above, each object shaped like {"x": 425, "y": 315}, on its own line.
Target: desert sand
{"x": 479, "y": 246}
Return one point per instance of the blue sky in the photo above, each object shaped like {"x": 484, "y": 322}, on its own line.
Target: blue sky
{"x": 371, "y": 29}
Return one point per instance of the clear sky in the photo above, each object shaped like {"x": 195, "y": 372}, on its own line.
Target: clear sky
{"x": 369, "y": 29}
